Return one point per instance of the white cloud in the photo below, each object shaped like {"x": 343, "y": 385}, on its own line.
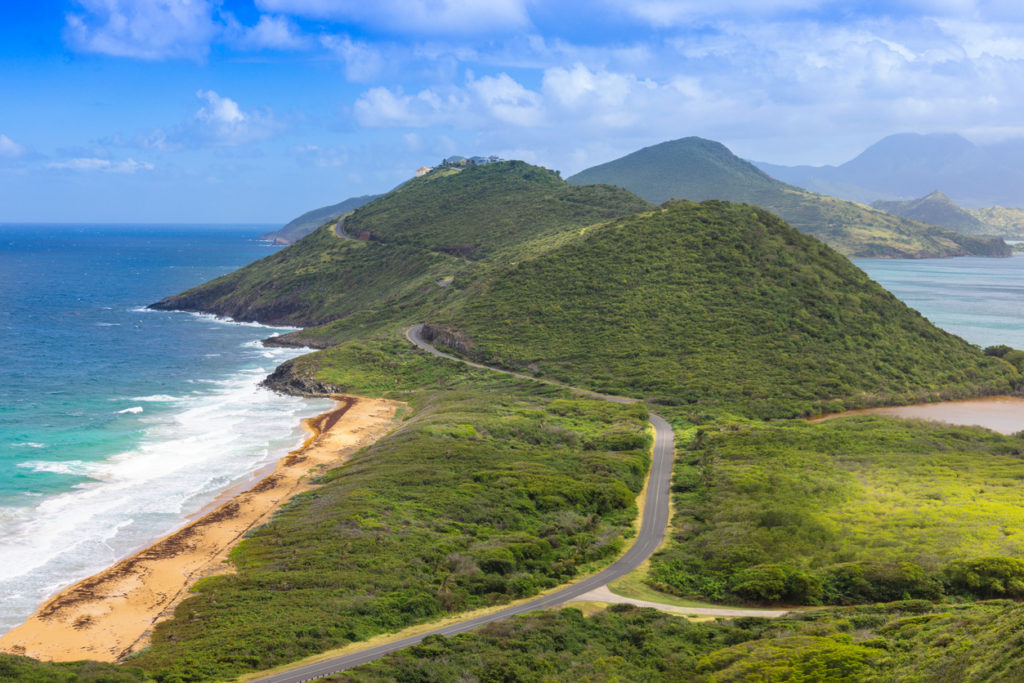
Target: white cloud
{"x": 269, "y": 32}
{"x": 508, "y": 101}
{"x": 143, "y": 29}
{"x": 362, "y": 62}
{"x": 419, "y": 16}
{"x": 9, "y": 148}
{"x": 106, "y": 165}
{"x": 680, "y": 12}
{"x": 220, "y": 122}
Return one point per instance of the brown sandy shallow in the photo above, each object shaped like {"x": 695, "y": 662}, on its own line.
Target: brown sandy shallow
{"x": 1003, "y": 414}
{"x": 111, "y": 614}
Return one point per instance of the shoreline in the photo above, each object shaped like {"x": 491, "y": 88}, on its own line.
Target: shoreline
{"x": 111, "y": 614}
{"x": 1003, "y": 414}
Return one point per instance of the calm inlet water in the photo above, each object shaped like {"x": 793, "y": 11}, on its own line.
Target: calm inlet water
{"x": 117, "y": 422}
{"x": 979, "y": 299}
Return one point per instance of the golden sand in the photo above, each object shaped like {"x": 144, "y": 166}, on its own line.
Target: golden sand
{"x": 111, "y": 614}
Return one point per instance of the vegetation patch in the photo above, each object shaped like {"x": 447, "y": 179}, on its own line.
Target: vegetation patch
{"x": 717, "y": 305}
{"x": 847, "y": 511}
{"x": 478, "y": 499}
{"x": 903, "y": 641}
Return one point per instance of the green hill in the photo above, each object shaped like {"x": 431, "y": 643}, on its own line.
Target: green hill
{"x": 418, "y": 238}
{"x": 714, "y": 304}
{"x": 311, "y": 220}
{"x": 938, "y": 209}
{"x": 697, "y": 169}
{"x": 1008, "y": 222}
{"x": 481, "y": 210}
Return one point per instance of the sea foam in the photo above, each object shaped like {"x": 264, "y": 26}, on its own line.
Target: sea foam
{"x": 196, "y": 448}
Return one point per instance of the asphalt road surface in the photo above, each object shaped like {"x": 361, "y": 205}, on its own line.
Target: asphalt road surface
{"x": 652, "y": 531}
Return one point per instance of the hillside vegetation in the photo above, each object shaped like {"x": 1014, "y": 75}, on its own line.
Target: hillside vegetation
{"x": 912, "y": 641}
{"x": 492, "y": 490}
{"x": 299, "y": 227}
{"x": 938, "y": 209}
{"x": 421, "y": 236}
{"x": 715, "y": 304}
{"x": 698, "y": 169}
{"x": 852, "y": 510}
{"x": 482, "y": 210}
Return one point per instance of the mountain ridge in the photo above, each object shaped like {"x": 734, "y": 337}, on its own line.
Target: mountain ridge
{"x": 697, "y": 169}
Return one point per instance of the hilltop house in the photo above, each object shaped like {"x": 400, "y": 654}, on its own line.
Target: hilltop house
{"x": 462, "y": 162}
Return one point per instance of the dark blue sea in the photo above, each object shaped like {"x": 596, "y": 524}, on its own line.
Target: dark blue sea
{"x": 116, "y": 422}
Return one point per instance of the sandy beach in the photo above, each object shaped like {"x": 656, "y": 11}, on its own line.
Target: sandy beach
{"x": 111, "y": 614}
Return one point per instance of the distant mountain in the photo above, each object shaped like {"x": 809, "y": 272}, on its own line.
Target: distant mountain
{"x": 909, "y": 165}
{"x": 311, "y": 220}
{"x": 697, "y": 169}
{"x": 938, "y": 209}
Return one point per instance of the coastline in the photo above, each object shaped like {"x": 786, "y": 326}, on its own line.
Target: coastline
{"x": 112, "y": 613}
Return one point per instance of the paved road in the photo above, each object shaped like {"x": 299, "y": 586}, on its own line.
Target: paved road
{"x": 339, "y": 229}
{"x": 652, "y": 531}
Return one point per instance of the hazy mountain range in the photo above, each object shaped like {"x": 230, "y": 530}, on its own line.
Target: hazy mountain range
{"x": 909, "y": 165}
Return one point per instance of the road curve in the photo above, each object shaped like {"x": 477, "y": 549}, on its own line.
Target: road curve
{"x": 652, "y": 532}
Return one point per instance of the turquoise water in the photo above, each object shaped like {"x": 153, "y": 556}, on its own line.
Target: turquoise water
{"x": 116, "y": 422}
{"x": 979, "y": 299}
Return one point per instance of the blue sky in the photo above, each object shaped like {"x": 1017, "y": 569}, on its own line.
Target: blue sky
{"x": 257, "y": 110}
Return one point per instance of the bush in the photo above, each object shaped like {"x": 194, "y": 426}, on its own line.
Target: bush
{"x": 988, "y": 577}
{"x": 858, "y": 582}
{"x": 776, "y": 583}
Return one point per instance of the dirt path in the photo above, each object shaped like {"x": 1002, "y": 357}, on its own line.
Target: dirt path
{"x": 603, "y": 594}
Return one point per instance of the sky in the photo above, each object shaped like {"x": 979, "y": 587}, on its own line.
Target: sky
{"x": 254, "y": 111}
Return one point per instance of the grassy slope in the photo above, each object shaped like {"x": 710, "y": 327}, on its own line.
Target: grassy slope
{"x": 488, "y": 492}
{"x": 938, "y": 209}
{"x": 904, "y": 641}
{"x": 298, "y": 228}
{"x": 850, "y": 510}
{"x": 697, "y": 169}
{"x": 483, "y": 210}
{"x": 402, "y": 272}
{"x": 1009, "y": 221}
{"x": 717, "y": 305}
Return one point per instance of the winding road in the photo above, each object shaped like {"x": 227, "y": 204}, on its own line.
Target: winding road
{"x": 652, "y": 532}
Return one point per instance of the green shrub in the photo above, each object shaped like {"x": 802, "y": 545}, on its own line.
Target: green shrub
{"x": 988, "y": 577}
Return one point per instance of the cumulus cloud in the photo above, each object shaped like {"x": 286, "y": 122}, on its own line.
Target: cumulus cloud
{"x": 363, "y": 63}
{"x": 412, "y": 16}
{"x": 508, "y": 101}
{"x": 9, "y": 148}
{"x": 219, "y": 122}
{"x": 106, "y": 165}
{"x": 143, "y": 29}
{"x": 269, "y": 32}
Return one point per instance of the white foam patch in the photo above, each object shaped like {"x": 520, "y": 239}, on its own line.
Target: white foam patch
{"x": 160, "y": 398}
{"x": 187, "y": 455}
{"x": 134, "y": 410}
{"x": 29, "y": 444}
{"x": 75, "y": 467}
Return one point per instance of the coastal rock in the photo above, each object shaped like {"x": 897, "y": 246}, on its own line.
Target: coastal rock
{"x": 286, "y": 380}
{"x": 453, "y": 339}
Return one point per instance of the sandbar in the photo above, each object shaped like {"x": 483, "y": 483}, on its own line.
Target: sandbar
{"x": 111, "y": 614}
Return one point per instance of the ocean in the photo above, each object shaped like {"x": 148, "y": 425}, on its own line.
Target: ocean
{"x": 979, "y": 299}
{"x": 116, "y": 422}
